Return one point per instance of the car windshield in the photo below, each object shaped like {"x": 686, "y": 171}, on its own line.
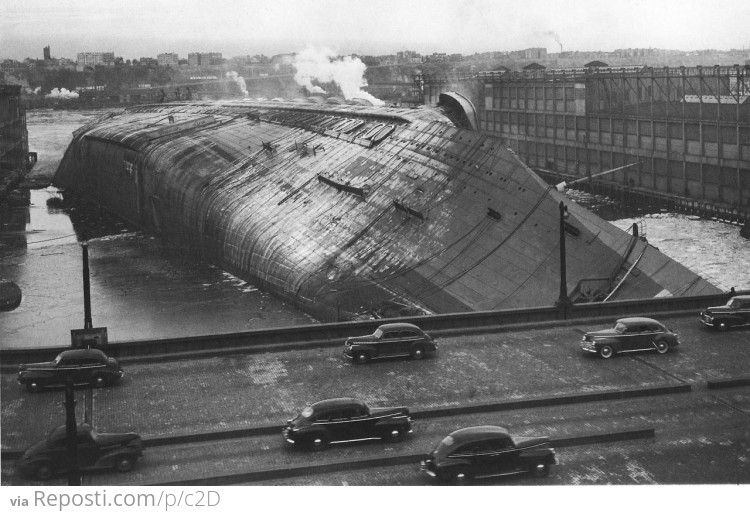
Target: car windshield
{"x": 307, "y": 412}
{"x": 378, "y": 333}
{"x": 444, "y": 447}
{"x": 58, "y": 358}
{"x": 733, "y": 303}
{"x": 619, "y": 327}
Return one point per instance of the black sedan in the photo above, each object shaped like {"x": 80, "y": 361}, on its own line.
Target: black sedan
{"x": 486, "y": 451}
{"x": 49, "y": 456}
{"x": 630, "y": 335}
{"x": 83, "y": 366}
{"x": 390, "y": 340}
{"x": 341, "y": 420}
{"x": 735, "y": 313}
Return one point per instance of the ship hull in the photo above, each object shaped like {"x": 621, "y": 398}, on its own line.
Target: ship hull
{"x": 348, "y": 210}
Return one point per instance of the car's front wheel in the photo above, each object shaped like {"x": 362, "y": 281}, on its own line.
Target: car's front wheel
{"x": 317, "y": 443}
{"x": 461, "y": 475}
{"x": 454, "y": 475}
{"x": 99, "y": 381}
{"x": 606, "y": 352}
{"x": 362, "y": 358}
{"x": 540, "y": 469}
{"x": 662, "y": 347}
{"x": 394, "y": 435}
{"x": 45, "y": 470}
{"x": 721, "y": 325}
{"x": 417, "y": 353}
{"x": 124, "y": 463}
{"x": 33, "y": 386}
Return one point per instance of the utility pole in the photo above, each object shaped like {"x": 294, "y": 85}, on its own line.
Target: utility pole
{"x": 71, "y": 432}
{"x": 87, "y": 323}
{"x": 563, "y": 302}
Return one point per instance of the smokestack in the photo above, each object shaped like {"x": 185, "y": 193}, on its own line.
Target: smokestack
{"x": 560, "y": 47}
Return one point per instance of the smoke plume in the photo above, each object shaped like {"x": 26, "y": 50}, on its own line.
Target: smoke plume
{"x": 323, "y": 65}
{"x": 62, "y": 94}
{"x": 239, "y": 80}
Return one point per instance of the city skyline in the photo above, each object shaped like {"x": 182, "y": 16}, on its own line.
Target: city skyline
{"x": 140, "y": 29}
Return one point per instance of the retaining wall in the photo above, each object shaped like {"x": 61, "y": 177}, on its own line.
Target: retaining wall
{"x": 331, "y": 334}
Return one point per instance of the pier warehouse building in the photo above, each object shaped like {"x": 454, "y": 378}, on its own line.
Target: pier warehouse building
{"x": 689, "y": 128}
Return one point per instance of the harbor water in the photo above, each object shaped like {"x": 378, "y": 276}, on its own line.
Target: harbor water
{"x": 142, "y": 288}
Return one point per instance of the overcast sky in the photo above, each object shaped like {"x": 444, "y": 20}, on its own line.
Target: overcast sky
{"x": 140, "y": 28}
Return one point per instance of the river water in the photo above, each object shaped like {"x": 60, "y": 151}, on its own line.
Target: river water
{"x": 143, "y": 289}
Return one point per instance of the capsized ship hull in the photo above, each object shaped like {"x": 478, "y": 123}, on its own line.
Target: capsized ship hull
{"x": 348, "y": 209}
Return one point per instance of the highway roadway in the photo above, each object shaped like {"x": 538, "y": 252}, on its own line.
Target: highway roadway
{"x": 700, "y": 435}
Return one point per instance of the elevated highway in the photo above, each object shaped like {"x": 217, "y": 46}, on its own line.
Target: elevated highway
{"x": 214, "y": 419}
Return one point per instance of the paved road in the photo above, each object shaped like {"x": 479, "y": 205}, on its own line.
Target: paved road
{"x": 701, "y": 436}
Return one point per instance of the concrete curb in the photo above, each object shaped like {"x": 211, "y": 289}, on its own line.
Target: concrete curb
{"x": 734, "y": 382}
{"x": 416, "y": 414}
{"x": 371, "y": 462}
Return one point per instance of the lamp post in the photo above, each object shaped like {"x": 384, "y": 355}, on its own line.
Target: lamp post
{"x": 71, "y": 432}
{"x": 563, "y": 302}
{"x": 87, "y": 323}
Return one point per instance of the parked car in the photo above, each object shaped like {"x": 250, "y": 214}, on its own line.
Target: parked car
{"x": 735, "y": 313}
{"x": 485, "y": 451}
{"x": 390, "y": 340}
{"x": 90, "y": 366}
{"x": 340, "y": 420}
{"x": 630, "y": 335}
{"x": 48, "y": 457}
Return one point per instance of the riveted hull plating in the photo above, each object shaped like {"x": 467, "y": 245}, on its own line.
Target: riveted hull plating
{"x": 344, "y": 209}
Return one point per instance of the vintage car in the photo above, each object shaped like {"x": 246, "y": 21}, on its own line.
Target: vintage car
{"x": 630, "y": 335}
{"x": 341, "y": 420}
{"x": 48, "y": 457}
{"x": 485, "y": 451}
{"x": 84, "y": 366}
{"x": 735, "y": 313}
{"x": 390, "y": 340}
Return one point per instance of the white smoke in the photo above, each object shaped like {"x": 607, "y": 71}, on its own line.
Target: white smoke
{"x": 29, "y": 90}
{"x": 323, "y": 65}
{"x": 62, "y": 94}
{"x": 239, "y": 80}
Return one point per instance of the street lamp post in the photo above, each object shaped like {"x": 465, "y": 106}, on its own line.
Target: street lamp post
{"x": 71, "y": 432}
{"x": 87, "y": 323}
{"x": 563, "y": 302}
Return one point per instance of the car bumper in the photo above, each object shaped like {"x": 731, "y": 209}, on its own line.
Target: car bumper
{"x": 348, "y": 355}
{"x": 424, "y": 469}
{"x": 707, "y": 320}
{"x": 588, "y": 347}
{"x": 287, "y": 437}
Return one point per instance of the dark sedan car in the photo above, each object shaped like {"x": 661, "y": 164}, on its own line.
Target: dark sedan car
{"x": 84, "y": 366}
{"x": 630, "y": 335}
{"x": 340, "y": 420}
{"x": 390, "y": 340}
{"x": 485, "y": 451}
{"x": 47, "y": 457}
{"x": 735, "y": 313}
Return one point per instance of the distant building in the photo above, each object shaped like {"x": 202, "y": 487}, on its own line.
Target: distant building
{"x": 168, "y": 59}
{"x": 14, "y": 143}
{"x": 530, "y": 53}
{"x": 436, "y": 57}
{"x": 534, "y": 66}
{"x": 91, "y": 59}
{"x": 409, "y": 57}
{"x": 47, "y": 55}
{"x": 204, "y": 59}
{"x": 148, "y": 61}
{"x": 10, "y": 65}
